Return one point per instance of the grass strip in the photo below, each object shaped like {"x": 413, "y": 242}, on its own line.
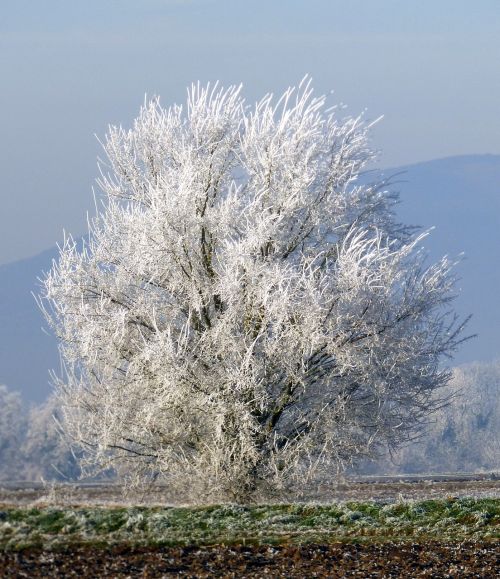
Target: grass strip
{"x": 56, "y": 527}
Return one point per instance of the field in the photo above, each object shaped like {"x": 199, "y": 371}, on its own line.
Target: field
{"x": 447, "y": 534}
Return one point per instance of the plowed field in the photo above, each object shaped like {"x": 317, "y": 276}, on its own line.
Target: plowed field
{"x": 433, "y": 559}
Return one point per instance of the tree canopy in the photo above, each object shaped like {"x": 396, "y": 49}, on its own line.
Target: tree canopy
{"x": 247, "y": 312}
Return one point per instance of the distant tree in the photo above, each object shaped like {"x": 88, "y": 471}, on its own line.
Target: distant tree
{"x": 46, "y": 454}
{"x": 463, "y": 435}
{"x": 467, "y": 433}
{"x": 12, "y": 427}
{"x": 247, "y": 314}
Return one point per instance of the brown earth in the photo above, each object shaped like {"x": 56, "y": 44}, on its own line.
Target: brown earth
{"x": 433, "y": 559}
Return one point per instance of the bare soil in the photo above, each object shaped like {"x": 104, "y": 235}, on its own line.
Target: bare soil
{"x": 433, "y": 559}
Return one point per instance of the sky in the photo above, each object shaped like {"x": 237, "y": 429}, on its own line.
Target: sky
{"x": 68, "y": 69}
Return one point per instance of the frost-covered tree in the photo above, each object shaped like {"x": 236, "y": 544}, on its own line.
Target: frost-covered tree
{"x": 13, "y": 425}
{"x": 464, "y": 436}
{"x": 246, "y": 313}
{"x": 45, "y": 452}
{"x": 31, "y": 445}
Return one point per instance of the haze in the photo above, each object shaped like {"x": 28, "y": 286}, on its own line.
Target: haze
{"x": 70, "y": 68}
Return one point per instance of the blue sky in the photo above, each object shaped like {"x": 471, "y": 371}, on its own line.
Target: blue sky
{"x": 70, "y": 68}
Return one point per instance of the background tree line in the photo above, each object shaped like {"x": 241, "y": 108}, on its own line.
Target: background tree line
{"x": 463, "y": 436}
{"x": 31, "y": 446}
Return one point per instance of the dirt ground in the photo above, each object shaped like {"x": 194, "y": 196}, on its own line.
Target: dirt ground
{"x": 335, "y": 560}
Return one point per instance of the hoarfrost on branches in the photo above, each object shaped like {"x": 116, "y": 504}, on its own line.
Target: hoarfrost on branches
{"x": 246, "y": 315}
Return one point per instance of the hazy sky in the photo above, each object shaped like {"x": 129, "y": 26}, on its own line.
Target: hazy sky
{"x": 68, "y": 68}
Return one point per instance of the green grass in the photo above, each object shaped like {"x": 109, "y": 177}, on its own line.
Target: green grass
{"x": 456, "y": 520}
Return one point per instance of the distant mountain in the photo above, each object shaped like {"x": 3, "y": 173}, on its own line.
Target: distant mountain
{"x": 26, "y": 351}
{"x": 460, "y": 196}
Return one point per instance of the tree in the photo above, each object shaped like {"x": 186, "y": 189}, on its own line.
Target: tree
{"x": 45, "y": 452}
{"x": 463, "y": 436}
{"x": 246, "y": 313}
{"x": 12, "y": 426}
{"x": 31, "y": 446}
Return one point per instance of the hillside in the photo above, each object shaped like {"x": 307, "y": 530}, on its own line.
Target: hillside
{"x": 460, "y": 196}
{"x": 26, "y": 351}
